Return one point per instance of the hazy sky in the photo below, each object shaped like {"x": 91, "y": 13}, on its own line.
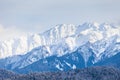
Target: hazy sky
{"x": 18, "y": 17}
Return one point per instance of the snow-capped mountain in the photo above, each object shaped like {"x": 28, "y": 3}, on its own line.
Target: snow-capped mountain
{"x": 72, "y": 35}
{"x": 92, "y": 41}
{"x": 24, "y": 44}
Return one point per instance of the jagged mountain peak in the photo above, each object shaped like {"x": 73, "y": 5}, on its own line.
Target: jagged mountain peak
{"x": 68, "y": 34}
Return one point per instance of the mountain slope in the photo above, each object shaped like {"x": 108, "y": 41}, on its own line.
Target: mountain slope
{"x": 74, "y": 60}
{"x": 112, "y": 61}
{"x": 54, "y": 63}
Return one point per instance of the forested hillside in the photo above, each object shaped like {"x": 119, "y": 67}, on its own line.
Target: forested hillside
{"x": 92, "y": 73}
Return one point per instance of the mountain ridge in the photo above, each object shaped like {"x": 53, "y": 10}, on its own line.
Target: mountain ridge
{"x": 99, "y": 40}
{"x": 90, "y": 31}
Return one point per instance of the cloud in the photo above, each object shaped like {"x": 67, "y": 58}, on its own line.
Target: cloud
{"x": 1, "y": 28}
{"x": 10, "y": 32}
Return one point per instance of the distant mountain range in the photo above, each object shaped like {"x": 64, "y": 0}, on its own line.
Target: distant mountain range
{"x": 63, "y": 48}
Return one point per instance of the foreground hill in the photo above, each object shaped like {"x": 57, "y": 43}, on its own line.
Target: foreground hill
{"x": 92, "y": 73}
{"x": 4, "y": 74}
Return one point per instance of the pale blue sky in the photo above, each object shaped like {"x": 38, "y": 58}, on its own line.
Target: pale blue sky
{"x": 23, "y": 16}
